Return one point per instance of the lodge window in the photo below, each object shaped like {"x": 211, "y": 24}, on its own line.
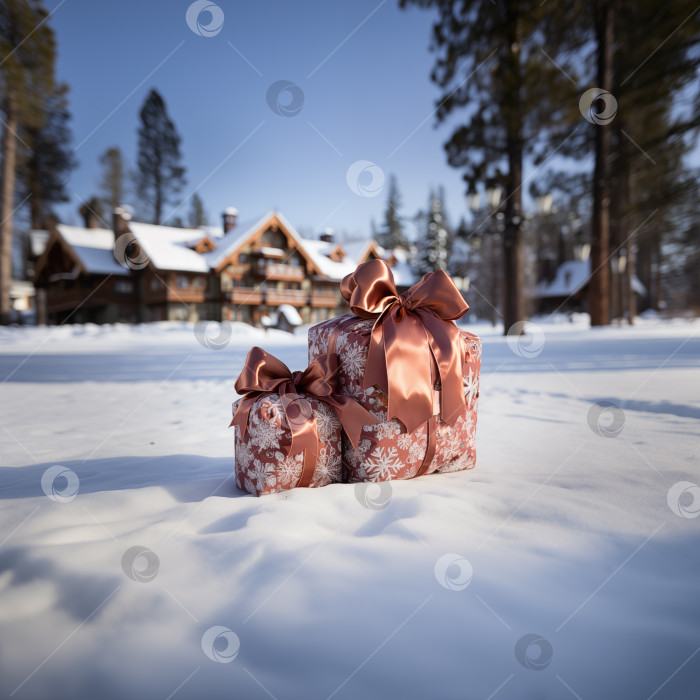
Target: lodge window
{"x": 198, "y": 283}
{"x": 123, "y": 287}
{"x": 182, "y": 282}
{"x": 155, "y": 284}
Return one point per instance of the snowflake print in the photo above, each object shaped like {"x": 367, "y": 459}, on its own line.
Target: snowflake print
{"x": 383, "y": 463}
{"x": 419, "y": 445}
{"x": 469, "y": 423}
{"x": 327, "y": 467}
{"x": 464, "y": 461}
{"x": 327, "y": 422}
{"x": 289, "y": 467}
{"x": 243, "y": 452}
{"x": 259, "y": 474}
{"x": 264, "y": 434}
{"x": 449, "y": 443}
{"x": 471, "y": 386}
{"x": 475, "y": 350}
{"x": 386, "y": 429}
{"x": 353, "y": 360}
{"x": 404, "y": 441}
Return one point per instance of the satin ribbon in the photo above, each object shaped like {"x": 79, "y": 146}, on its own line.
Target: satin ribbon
{"x": 264, "y": 374}
{"x": 413, "y": 333}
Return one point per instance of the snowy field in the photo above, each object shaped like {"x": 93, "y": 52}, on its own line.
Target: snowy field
{"x": 566, "y": 565}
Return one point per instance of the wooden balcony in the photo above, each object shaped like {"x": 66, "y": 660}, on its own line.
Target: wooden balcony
{"x": 324, "y": 299}
{"x": 246, "y": 295}
{"x": 281, "y": 271}
{"x": 295, "y": 297}
{"x": 185, "y": 294}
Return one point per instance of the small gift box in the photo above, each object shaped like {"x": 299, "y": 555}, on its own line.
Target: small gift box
{"x": 288, "y": 425}
{"x": 404, "y": 360}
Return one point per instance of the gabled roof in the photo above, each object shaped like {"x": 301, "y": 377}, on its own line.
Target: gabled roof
{"x": 359, "y": 250}
{"x": 311, "y": 250}
{"x": 318, "y": 251}
{"x": 230, "y": 242}
{"x": 93, "y": 249}
{"x": 571, "y": 277}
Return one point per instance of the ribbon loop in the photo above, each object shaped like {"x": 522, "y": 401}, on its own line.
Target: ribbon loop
{"x": 413, "y": 335}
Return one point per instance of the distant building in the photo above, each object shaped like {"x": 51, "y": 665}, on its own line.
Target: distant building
{"x": 568, "y": 288}
{"x": 241, "y": 271}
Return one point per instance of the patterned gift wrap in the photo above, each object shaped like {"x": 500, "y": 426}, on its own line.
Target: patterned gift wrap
{"x": 263, "y": 462}
{"x": 386, "y": 450}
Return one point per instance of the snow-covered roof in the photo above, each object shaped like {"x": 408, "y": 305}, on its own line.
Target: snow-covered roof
{"x": 318, "y": 252}
{"x": 571, "y": 277}
{"x": 291, "y": 314}
{"x": 212, "y": 231}
{"x": 404, "y": 276}
{"x": 171, "y": 248}
{"x": 358, "y": 249}
{"x": 94, "y": 248}
{"x": 167, "y": 246}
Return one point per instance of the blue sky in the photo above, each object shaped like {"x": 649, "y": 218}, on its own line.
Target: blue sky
{"x": 363, "y": 68}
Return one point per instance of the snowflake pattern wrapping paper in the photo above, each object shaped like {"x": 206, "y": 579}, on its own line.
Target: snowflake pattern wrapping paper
{"x": 386, "y": 450}
{"x": 263, "y": 462}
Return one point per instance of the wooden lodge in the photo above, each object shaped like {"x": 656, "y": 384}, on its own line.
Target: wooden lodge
{"x": 242, "y": 271}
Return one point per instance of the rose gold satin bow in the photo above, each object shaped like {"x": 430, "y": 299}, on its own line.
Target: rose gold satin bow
{"x": 265, "y": 374}
{"x": 412, "y": 334}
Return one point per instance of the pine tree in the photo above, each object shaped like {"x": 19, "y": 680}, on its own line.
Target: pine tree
{"x": 651, "y": 186}
{"x": 46, "y": 158}
{"x": 197, "y": 217}
{"x": 27, "y": 56}
{"x": 112, "y": 178}
{"x": 392, "y": 233}
{"x": 434, "y": 245}
{"x": 515, "y": 102}
{"x": 160, "y": 172}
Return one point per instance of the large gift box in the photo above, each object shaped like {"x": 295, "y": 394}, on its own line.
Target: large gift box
{"x": 288, "y": 425}
{"x": 403, "y": 359}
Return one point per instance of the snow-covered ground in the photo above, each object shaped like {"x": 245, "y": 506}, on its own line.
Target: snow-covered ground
{"x": 575, "y": 528}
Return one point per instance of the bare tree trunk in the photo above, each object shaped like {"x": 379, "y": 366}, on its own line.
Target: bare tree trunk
{"x": 8, "y": 150}
{"x": 658, "y": 288}
{"x": 624, "y": 193}
{"x": 513, "y": 303}
{"x": 513, "y": 306}
{"x": 629, "y": 279}
{"x": 599, "y": 287}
